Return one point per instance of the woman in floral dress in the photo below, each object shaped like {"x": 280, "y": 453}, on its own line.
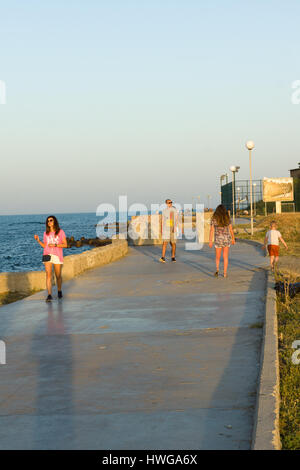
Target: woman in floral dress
{"x": 222, "y": 233}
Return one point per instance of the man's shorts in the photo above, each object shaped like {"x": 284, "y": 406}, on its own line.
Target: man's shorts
{"x": 169, "y": 237}
{"x": 55, "y": 260}
{"x": 273, "y": 250}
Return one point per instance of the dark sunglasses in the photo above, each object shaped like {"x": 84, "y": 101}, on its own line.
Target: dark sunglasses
{"x": 50, "y": 220}
{"x": 170, "y": 202}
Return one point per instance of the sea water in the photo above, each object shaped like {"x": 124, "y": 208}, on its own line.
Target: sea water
{"x": 20, "y": 252}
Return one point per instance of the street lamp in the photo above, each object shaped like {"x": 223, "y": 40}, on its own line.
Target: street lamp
{"x": 208, "y": 198}
{"x": 254, "y": 185}
{"x": 250, "y": 147}
{"x": 234, "y": 170}
{"x": 239, "y": 198}
{"x": 225, "y": 176}
{"x": 199, "y": 199}
{"x": 222, "y": 177}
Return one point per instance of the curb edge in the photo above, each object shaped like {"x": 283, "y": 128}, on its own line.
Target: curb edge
{"x": 266, "y": 435}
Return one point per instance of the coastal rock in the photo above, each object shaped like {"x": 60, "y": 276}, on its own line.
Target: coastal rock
{"x": 87, "y": 241}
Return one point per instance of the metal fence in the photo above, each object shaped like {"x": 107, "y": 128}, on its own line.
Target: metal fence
{"x": 242, "y": 195}
{"x": 242, "y": 198}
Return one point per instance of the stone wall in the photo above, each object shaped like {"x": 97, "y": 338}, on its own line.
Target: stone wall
{"x": 77, "y": 264}
{"x": 146, "y": 229}
{"x": 73, "y": 266}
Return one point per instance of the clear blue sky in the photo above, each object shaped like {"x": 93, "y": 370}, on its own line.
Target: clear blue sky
{"x": 149, "y": 98}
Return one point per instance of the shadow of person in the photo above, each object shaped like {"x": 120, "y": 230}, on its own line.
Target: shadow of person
{"x": 229, "y": 417}
{"x": 151, "y": 251}
{"x": 52, "y": 352}
{"x": 234, "y": 261}
{"x": 55, "y": 324}
{"x": 257, "y": 247}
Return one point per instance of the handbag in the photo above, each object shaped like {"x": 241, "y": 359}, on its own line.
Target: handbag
{"x": 46, "y": 258}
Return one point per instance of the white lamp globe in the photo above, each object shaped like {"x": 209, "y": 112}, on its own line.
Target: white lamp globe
{"x": 232, "y": 168}
{"x": 250, "y": 145}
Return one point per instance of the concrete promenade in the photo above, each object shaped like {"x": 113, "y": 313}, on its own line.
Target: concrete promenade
{"x": 138, "y": 355}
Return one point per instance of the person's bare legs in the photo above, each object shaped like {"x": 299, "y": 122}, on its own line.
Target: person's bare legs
{"x": 272, "y": 262}
{"x": 225, "y": 259}
{"x": 218, "y": 257}
{"x": 275, "y": 261}
{"x": 164, "y": 247}
{"x": 57, "y": 269}
{"x": 173, "y": 245}
{"x": 48, "y": 269}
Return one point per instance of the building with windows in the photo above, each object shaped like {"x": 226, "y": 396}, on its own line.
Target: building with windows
{"x": 295, "y": 174}
{"x": 242, "y": 197}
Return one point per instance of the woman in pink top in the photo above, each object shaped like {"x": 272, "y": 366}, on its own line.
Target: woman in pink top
{"x": 53, "y": 243}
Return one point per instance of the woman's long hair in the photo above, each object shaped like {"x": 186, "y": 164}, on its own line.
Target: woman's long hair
{"x": 56, "y": 224}
{"x": 221, "y": 216}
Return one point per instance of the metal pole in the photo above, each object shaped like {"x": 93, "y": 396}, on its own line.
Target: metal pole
{"x": 251, "y": 195}
{"x": 233, "y": 197}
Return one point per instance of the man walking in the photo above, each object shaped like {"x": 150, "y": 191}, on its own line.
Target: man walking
{"x": 169, "y": 222}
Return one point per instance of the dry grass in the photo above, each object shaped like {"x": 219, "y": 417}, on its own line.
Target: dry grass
{"x": 288, "y": 315}
{"x": 289, "y": 331}
{"x": 289, "y": 226}
{"x": 289, "y": 268}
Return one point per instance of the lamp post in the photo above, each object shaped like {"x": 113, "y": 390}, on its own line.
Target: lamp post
{"x": 222, "y": 177}
{"x": 193, "y": 197}
{"x": 234, "y": 170}
{"x": 208, "y": 198}
{"x": 250, "y": 147}
{"x": 254, "y": 198}
{"x": 239, "y": 198}
{"x": 196, "y": 197}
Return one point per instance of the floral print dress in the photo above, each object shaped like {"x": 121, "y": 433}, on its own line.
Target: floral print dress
{"x": 222, "y": 234}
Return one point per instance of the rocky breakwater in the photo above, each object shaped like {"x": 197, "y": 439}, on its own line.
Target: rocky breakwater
{"x": 87, "y": 241}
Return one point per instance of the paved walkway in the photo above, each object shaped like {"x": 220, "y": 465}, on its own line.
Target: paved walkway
{"x": 138, "y": 355}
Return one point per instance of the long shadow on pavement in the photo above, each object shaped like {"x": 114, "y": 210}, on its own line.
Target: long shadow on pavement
{"x": 52, "y": 353}
{"x": 238, "y": 381}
